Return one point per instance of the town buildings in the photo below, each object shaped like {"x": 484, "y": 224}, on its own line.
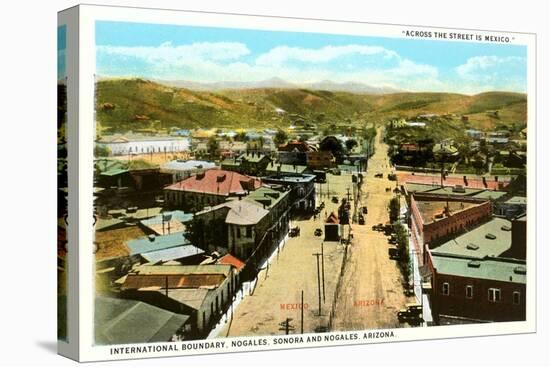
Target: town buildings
{"x": 245, "y": 227}
{"x": 200, "y": 292}
{"x": 253, "y": 164}
{"x": 142, "y": 144}
{"x": 181, "y": 169}
{"x": 208, "y": 188}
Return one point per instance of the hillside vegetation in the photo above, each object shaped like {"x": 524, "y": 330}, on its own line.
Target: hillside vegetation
{"x": 132, "y": 104}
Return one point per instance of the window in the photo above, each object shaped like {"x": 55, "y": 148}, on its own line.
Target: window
{"x": 517, "y": 298}
{"x": 494, "y": 295}
{"x": 445, "y": 289}
{"x": 469, "y": 291}
{"x": 248, "y": 232}
{"x": 238, "y": 230}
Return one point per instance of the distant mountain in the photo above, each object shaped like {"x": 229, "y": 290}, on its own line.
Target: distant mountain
{"x": 278, "y": 83}
{"x": 129, "y": 104}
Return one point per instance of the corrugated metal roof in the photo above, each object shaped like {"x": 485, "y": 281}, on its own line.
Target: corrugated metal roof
{"x": 183, "y": 269}
{"x": 174, "y": 281}
{"x": 173, "y": 253}
{"x": 146, "y": 244}
{"x": 121, "y": 321}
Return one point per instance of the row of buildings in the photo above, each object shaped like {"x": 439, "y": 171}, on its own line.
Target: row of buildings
{"x": 471, "y": 245}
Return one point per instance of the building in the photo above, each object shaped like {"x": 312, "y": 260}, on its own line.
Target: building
{"x": 123, "y": 321}
{"x": 160, "y": 249}
{"x": 480, "y": 275}
{"x": 253, "y": 164}
{"x": 477, "y": 290}
{"x": 434, "y": 219}
{"x": 332, "y": 228}
{"x": 513, "y": 207}
{"x": 320, "y": 160}
{"x": 259, "y": 220}
{"x": 294, "y": 152}
{"x": 208, "y": 188}
{"x": 280, "y": 169}
{"x": 181, "y": 169}
{"x": 201, "y": 292}
{"x": 138, "y": 144}
{"x": 301, "y": 187}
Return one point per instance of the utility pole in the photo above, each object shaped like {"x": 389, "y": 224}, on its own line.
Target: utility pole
{"x": 318, "y": 281}
{"x": 323, "y": 268}
{"x": 285, "y": 326}
{"x": 302, "y": 314}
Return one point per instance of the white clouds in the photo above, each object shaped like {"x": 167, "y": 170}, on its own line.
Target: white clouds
{"x": 372, "y": 65}
{"x": 282, "y": 54}
{"x": 483, "y": 66}
{"x": 170, "y": 55}
{"x": 485, "y": 73}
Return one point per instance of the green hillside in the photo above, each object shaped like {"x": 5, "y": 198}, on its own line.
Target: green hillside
{"x": 131, "y": 104}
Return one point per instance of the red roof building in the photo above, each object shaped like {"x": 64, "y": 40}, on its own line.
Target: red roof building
{"x": 209, "y": 188}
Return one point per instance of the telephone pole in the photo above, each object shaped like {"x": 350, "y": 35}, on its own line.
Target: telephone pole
{"x": 318, "y": 280}
{"x": 285, "y": 326}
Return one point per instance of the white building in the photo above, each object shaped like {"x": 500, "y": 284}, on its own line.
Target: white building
{"x": 122, "y": 145}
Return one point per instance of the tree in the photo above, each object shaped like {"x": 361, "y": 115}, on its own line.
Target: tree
{"x": 402, "y": 240}
{"x": 333, "y": 145}
{"x": 394, "y": 208}
{"x": 280, "y": 137}
{"x": 213, "y": 146}
{"x": 102, "y": 151}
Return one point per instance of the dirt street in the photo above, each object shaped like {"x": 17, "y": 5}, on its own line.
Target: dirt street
{"x": 371, "y": 291}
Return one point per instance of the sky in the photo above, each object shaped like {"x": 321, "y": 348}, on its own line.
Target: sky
{"x": 207, "y": 54}
{"x": 61, "y": 46}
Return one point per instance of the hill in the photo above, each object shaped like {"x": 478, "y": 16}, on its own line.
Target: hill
{"x": 130, "y": 104}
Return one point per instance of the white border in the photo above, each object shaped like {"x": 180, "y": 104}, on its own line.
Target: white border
{"x": 87, "y": 17}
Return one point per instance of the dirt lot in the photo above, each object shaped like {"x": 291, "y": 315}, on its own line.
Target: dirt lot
{"x": 111, "y": 243}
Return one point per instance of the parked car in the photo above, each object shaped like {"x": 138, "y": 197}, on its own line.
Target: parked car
{"x": 379, "y": 175}
{"x": 393, "y": 253}
{"x": 392, "y": 176}
{"x": 294, "y": 232}
{"x": 365, "y": 210}
{"x": 335, "y": 199}
{"x": 318, "y": 232}
{"x": 361, "y": 219}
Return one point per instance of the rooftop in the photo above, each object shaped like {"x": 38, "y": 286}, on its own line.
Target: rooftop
{"x": 156, "y": 243}
{"x": 517, "y": 200}
{"x": 285, "y": 168}
{"x": 229, "y": 259}
{"x": 172, "y": 281}
{"x": 286, "y": 179}
{"x": 476, "y": 244}
{"x": 217, "y": 182}
{"x": 122, "y": 321}
{"x": 267, "y": 196}
{"x": 172, "y": 253}
{"x": 241, "y": 212}
{"x": 183, "y": 269}
{"x": 476, "y": 183}
{"x": 434, "y": 210}
{"x": 190, "y": 165}
{"x": 503, "y": 270}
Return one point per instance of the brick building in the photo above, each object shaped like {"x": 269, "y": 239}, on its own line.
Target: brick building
{"x": 320, "y": 160}
{"x": 480, "y": 275}
{"x": 436, "y": 218}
